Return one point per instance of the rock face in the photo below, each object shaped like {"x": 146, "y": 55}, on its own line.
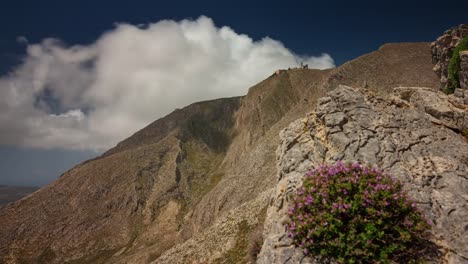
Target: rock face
{"x": 442, "y": 52}
{"x": 413, "y": 134}
{"x": 191, "y": 187}
{"x": 464, "y": 70}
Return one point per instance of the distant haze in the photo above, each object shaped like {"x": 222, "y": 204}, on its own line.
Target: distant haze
{"x": 11, "y": 194}
{"x": 36, "y": 167}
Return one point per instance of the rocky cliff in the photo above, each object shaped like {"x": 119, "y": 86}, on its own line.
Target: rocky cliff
{"x": 192, "y": 187}
{"x": 414, "y": 134}
{"x": 442, "y": 52}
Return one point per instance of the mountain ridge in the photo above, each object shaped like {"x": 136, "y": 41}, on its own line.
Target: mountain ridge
{"x": 169, "y": 183}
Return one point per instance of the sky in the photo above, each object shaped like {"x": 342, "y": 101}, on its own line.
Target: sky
{"x": 78, "y": 77}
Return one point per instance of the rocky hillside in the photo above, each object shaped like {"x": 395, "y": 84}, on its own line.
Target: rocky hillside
{"x": 192, "y": 187}
{"x": 415, "y": 134}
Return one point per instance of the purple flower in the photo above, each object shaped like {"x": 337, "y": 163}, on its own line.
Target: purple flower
{"x": 330, "y": 186}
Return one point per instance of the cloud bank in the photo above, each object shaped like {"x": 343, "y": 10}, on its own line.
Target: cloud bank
{"x": 93, "y": 96}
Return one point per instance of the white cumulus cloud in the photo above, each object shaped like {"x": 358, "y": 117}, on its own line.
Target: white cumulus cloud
{"x": 93, "y": 96}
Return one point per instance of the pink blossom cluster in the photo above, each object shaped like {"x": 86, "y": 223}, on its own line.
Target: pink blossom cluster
{"x": 333, "y": 195}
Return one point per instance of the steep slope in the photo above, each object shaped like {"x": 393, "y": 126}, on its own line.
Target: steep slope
{"x": 190, "y": 178}
{"x": 129, "y": 197}
{"x": 251, "y": 158}
{"x": 392, "y": 65}
{"x": 274, "y": 103}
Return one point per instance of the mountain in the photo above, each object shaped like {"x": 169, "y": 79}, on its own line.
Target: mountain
{"x": 194, "y": 186}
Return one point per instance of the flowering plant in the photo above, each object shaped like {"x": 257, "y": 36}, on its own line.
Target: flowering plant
{"x": 356, "y": 214}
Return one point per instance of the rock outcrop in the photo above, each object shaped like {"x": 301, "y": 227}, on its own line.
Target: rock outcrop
{"x": 413, "y": 134}
{"x": 464, "y": 70}
{"x": 442, "y": 52}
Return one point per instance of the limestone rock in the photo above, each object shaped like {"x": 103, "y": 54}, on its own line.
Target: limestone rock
{"x": 442, "y": 51}
{"x": 413, "y": 134}
{"x": 447, "y": 110}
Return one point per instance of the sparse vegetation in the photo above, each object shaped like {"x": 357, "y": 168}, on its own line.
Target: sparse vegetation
{"x": 454, "y": 66}
{"x": 200, "y": 167}
{"x": 248, "y": 244}
{"x": 255, "y": 243}
{"x": 357, "y": 214}
{"x": 47, "y": 255}
{"x": 238, "y": 253}
{"x": 465, "y": 133}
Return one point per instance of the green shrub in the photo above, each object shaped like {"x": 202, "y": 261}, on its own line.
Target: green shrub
{"x": 356, "y": 214}
{"x": 465, "y": 133}
{"x": 454, "y": 66}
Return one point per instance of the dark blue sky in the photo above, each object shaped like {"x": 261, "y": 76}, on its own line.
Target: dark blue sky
{"x": 343, "y": 29}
